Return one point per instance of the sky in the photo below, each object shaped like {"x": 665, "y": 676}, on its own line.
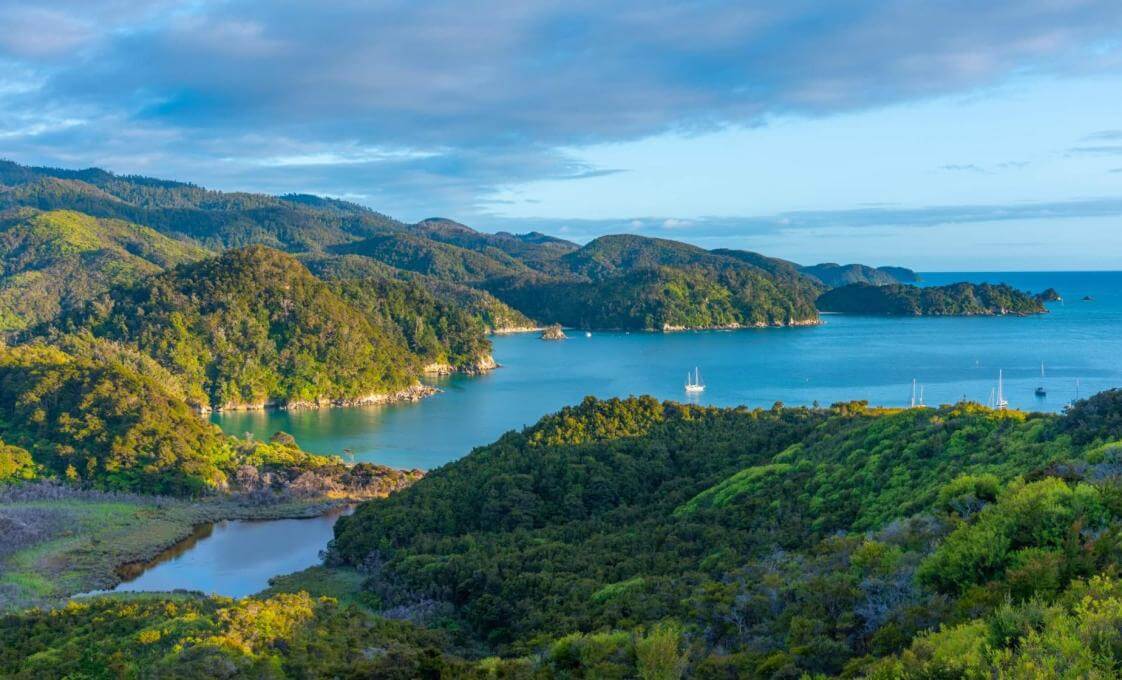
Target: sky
{"x": 936, "y": 134}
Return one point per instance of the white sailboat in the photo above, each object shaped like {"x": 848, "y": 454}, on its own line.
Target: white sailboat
{"x": 693, "y": 381}
{"x": 1040, "y": 391}
{"x": 1002, "y": 403}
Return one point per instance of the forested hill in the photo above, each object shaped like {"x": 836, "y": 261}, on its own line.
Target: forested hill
{"x": 626, "y": 282}
{"x": 249, "y": 327}
{"x": 781, "y": 542}
{"x": 50, "y": 261}
{"x": 212, "y": 218}
{"x": 959, "y": 299}
{"x": 635, "y": 282}
{"x": 99, "y": 416}
{"x": 834, "y": 275}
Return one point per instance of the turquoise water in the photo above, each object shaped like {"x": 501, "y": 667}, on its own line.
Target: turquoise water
{"x": 847, "y": 358}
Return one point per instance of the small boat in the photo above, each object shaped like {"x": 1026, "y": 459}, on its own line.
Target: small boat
{"x": 1002, "y": 403}
{"x": 588, "y": 334}
{"x": 693, "y": 382}
{"x": 1040, "y": 391}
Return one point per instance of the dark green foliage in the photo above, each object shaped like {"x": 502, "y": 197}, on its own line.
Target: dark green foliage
{"x": 248, "y": 327}
{"x": 534, "y": 249}
{"x": 834, "y": 275}
{"x": 663, "y": 287}
{"x": 618, "y": 512}
{"x": 216, "y": 219}
{"x": 432, "y": 258}
{"x": 1097, "y": 419}
{"x": 958, "y": 299}
{"x": 432, "y": 329}
{"x": 484, "y": 307}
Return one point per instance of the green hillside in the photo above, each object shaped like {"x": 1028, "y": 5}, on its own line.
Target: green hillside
{"x": 50, "y": 261}
{"x": 252, "y": 326}
{"x": 635, "y": 538}
{"x": 95, "y": 420}
{"x": 782, "y": 541}
{"x": 959, "y": 299}
{"x": 632, "y": 282}
{"x": 213, "y": 218}
{"x": 494, "y": 314}
{"x": 834, "y": 275}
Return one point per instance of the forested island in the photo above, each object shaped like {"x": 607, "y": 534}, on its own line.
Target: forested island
{"x": 958, "y": 299}
{"x": 626, "y": 538}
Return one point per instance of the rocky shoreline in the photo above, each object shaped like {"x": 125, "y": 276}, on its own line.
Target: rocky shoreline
{"x": 667, "y": 328}
{"x": 412, "y": 393}
{"x": 480, "y": 366}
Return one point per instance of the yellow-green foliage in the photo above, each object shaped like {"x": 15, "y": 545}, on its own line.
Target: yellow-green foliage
{"x": 659, "y": 654}
{"x": 289, "y": 635}
{"x": 106, "y": 424}
{"x": 1079, "y": 636}
{"x": 613, "y": 590}
{"x": 252, "y": 326}
{"x": 747, "y": 481}
{"x": 15, "y": 464}
{"x": 56, "y": 259}
{"x": 1031, "y": 538}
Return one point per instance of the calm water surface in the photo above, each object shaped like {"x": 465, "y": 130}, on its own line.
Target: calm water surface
{"x": 846, "y": 358}
{"x": 236, "y": 558}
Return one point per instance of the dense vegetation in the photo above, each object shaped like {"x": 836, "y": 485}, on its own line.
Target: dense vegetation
{"x": 784, "y": 541}
{"x": 103, "y": 424}
{"x": 633, "y": 538}
{"x": 251, "y": 326}
{"x": 495, "y": 315}
{"x": 628, "y": 282}
{"x": 958, "y": 299}
{"x": 213, "y": 218}
{"x": 834, "y": 275}
{"x": 50, "y": 261}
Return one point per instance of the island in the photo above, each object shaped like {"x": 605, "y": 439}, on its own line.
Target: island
{"x": 553, "y": 332}
{"x": 958, "y": 299}
{"x": 1049, "y": 295}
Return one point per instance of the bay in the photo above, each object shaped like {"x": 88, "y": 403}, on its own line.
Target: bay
{"x": 846, "y": 358}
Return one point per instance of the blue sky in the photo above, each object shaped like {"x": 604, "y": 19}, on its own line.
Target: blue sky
{"x": 938, "y": 135}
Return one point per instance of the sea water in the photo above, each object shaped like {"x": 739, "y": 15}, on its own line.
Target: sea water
{"x": 846, "y": 358}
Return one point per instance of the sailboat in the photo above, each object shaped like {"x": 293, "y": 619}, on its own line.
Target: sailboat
{"x": 1002, "y": 403}
{"x": 1040, "y": 391}
{"x": 693, "y": 382}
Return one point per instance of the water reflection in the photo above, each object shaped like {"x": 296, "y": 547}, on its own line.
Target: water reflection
{"x": 235, "y": 558}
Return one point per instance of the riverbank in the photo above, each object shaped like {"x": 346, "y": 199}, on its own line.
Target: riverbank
{"x": 56, "y": 542}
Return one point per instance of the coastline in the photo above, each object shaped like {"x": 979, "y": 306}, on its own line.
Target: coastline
{"x": 413, "y": 393}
